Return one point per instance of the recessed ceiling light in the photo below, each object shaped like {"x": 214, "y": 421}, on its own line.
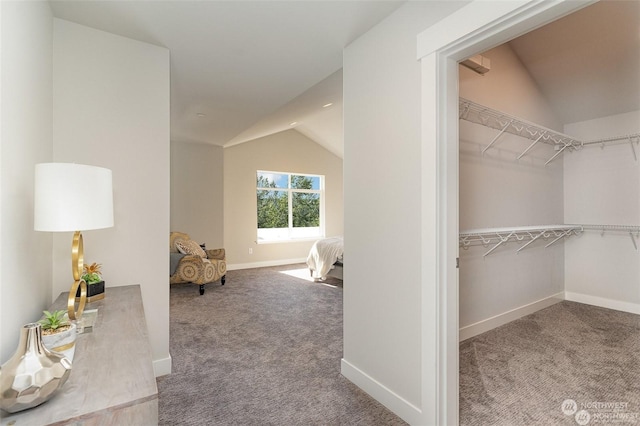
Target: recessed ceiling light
{"x": 200, "y": 115}
{"x": 327, "y": 105}
{"x": 293, "y": 123}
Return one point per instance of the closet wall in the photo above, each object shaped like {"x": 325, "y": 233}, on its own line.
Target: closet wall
{"x": 602, "y": 186}
{"x": 595, "y": 185}
{"x": 496, "y": 190}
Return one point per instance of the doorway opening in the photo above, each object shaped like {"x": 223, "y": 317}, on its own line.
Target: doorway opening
{"x": 440, "y": 49}
{"x": 539, "y": 135}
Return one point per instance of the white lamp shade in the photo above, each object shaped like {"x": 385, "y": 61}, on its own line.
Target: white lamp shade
{"x": 72, "y": 197}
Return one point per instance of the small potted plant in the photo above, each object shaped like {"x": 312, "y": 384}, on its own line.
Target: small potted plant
{"x": 92, "y": 275}
{"x": 58, "y": 333}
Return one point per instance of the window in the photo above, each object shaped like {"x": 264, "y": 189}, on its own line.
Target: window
{"x": 290, "y": 206}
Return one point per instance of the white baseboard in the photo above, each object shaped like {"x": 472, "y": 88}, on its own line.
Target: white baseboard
{"x": 401, "y": 407}
{"x": 162, "y": 367}
{"x": 506, "y": 317}
{"x": 265, "y": 264}
{"x": 632, "y": 308}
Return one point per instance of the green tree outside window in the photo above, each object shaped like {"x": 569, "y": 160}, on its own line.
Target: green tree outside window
{"x": 275, "y": 191}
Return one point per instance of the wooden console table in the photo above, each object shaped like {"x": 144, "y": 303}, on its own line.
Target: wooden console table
{"x": 112, "y": 380}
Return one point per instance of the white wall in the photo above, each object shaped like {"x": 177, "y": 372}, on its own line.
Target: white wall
{"x": 602, "y": 187}
{"x": 496, "y": 190}
{"x": 287, "y": 151}
{"x": 197, "y": 192}
{"x": 382, "y": 163}
{"x": 26, "y": 116}
{"x": 111, "y": 109}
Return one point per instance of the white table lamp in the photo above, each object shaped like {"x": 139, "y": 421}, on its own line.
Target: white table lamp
{"x": 73, "y": 198}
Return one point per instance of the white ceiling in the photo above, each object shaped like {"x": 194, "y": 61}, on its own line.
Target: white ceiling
{"x": 254, "y": 67}
{"x": 587, "y": 64}
{"x": 316, "y": 113}
{"x": 240, "y": 62}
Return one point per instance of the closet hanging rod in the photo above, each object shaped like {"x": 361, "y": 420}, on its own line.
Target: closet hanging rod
{"x": 631, "y": 229}
{"x": 480, "y": 114}
{"x": 488, "y": 231}
{"x": 500, "y": 236}
{"x": 506, "y": 123}
{"x": 633, "y": 137}
{"x": 624, "y": 228}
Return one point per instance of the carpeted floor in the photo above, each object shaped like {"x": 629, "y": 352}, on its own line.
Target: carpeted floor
{"x": 522, "y": 372}
{"x": 264, "y": 349}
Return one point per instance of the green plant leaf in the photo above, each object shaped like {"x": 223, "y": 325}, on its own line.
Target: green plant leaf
{"x": 53, "y": 320}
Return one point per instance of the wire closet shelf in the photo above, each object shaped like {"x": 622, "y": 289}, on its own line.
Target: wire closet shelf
{"x": 496, "y": 237}
{"x": 506, "y": 123}
{"x": 527, "y": 234}
{"x": 633, "y": 230}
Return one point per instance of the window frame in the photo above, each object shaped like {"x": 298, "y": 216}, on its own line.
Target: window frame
{"x": 291, "y": 233}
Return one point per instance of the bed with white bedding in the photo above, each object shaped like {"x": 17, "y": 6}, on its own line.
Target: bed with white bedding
{"x": 326, "y": 258}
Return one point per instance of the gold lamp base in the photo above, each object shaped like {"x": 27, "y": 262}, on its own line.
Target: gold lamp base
{"x": 77, "y": 264}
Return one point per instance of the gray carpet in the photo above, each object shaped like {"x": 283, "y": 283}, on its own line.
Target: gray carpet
{"x": 520, "y": 373}
{"x": 264, "y": 349}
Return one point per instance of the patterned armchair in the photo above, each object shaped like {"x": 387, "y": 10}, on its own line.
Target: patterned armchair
{"x": 192, "y": 264}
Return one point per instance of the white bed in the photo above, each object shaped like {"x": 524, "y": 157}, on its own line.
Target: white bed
{"x": 326, "y": 258}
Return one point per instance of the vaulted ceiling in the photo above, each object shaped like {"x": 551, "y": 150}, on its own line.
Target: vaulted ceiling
{"x": 245, "y": 69}
{"x": 236, "y": 63}
{"x": 587, "y": 64}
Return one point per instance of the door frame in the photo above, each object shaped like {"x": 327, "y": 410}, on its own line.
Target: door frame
{"x": 475, "y": 28}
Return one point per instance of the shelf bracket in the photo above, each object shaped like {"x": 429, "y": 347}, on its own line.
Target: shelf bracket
{"x": 502, "y": 241}
{"x": 633, "y": 240}
{"x": 566, "y": 145}
{"x": 493, "y": 248}
{"x": 633, "y": 149}
{"x": 532, "y": 145}
{"x": 504, "y": 129}
{"x": 559, "y": 237}
{"x": 530, "y": 241}
{"x": 556, "y": 240}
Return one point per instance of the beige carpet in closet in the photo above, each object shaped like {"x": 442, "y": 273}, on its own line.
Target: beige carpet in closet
{"x": 584, "y": 357}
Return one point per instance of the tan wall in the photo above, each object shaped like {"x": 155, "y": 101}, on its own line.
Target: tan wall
{"x": 287, "y": 151}
{"x": 196, "y": 192}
